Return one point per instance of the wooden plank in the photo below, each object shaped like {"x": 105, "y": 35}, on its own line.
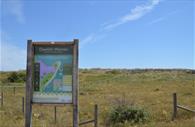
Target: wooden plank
{"x": 52, "y": 42}
{"x": 86, "y": 122}
{"x": 75, "y": 84}
{"x": 185, "y": 108}
{"x": 28, "y": 112}
{"x": 49, "y": 104}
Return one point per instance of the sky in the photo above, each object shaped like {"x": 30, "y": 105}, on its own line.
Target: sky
{"x": 112, "y": 33}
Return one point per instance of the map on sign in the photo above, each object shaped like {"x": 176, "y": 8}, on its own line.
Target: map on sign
{"x": 52, "y": 75}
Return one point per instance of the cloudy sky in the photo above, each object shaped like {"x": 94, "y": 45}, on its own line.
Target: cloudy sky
{"x": 112, "y": 33}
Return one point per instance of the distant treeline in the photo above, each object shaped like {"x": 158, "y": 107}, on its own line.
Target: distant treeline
{"x": 20, "y": 76}
{"x": 191, "y": 71}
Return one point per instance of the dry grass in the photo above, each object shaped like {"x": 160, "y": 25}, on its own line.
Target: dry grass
{"x": 150, "y": 90}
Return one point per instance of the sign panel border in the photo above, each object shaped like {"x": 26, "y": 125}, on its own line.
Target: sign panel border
{"x": 39, "y": 43}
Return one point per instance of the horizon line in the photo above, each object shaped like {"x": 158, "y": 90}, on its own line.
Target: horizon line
{"x": 102, "y": 68}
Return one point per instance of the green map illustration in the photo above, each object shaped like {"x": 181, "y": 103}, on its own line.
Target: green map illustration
{"x": 52, "y": 81}
{"x": 55, "y": 73}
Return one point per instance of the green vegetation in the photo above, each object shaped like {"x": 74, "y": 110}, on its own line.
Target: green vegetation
{"x": 149, "y": 89}
{"x": 122, "y": 114}
{"x": 11, "y": 77}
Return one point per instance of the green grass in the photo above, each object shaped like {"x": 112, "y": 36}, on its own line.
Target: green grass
{"x": 151, "y": 90}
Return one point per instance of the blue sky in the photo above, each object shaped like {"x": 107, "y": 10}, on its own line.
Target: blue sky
{"x": 112, "y": 33}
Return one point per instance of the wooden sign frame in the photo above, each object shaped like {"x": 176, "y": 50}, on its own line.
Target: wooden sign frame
{"x": 29, "y": 80}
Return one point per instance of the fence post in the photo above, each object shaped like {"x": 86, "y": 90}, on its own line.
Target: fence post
{"x": 23, "y": 105}
{"x": 14, "y": 89}
{"x": 1, "y": 99}
{"x": 55, "y": 110}
{"x": 174, "y": 106}
{"x": 96, "y": 116}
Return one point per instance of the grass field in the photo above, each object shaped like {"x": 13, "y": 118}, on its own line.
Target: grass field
{"x": 151, "y": 90}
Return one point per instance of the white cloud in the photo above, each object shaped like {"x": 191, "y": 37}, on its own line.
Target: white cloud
{"x": 135, "y": 14}
{"x": 91, "y": 38}
{"x": 162, "y": 18}
{"x": 156, "y": 20}
{"x": 12, "y": 57}
{"x": 14, "y": 7}
{"x": 87, "y": 40}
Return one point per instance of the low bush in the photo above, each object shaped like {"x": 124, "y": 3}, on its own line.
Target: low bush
{"x": 18, "y": 77}
{"x": 123, "y": 114}
{"x": 114, "y": 72}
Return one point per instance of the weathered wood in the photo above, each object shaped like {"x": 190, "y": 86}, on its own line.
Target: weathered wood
{"x": 96, "y": 116}
{"x": 30, "y": 55}
{"x": 87, "y": 122}
{"x": 75, "y": 84}
{"x": 95, "y": 120}
{"x": 14, "y": 90}
{"x": 55, "y": 111}
{"x": 52, "y": 42}
{"x": 23, "y": 105}
{"x": 2, "y": 99}
{"x": 174, "y": 106}
{"x": 185, "y": 108}
{"x": 49, "y": 104}
{"x": 29, "y": 72}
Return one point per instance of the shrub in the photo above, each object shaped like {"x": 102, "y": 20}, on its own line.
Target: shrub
{"x": 22, "y": 76}
{"x": 16, "y": 77}
{"x": 122, "y": 114}
{"x": 114, "y": 72}
{"x": 12, "y": 77}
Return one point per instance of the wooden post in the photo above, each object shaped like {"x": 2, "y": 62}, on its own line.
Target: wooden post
{"x": 14, "y": 90}
{"x": 55, "y": 110}
{"x": 174, "y": 106}
{"x": 28, "y": 112}
{"x": 95, "y": 120}
{"x": 96, "y": 116}
{"x": 1, "y": 99}
{"x": 23, "y": 105}
{"x": 75, "y": 84}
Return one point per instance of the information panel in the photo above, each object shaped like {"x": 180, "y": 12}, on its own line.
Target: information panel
{"x": 53, "y": 73}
